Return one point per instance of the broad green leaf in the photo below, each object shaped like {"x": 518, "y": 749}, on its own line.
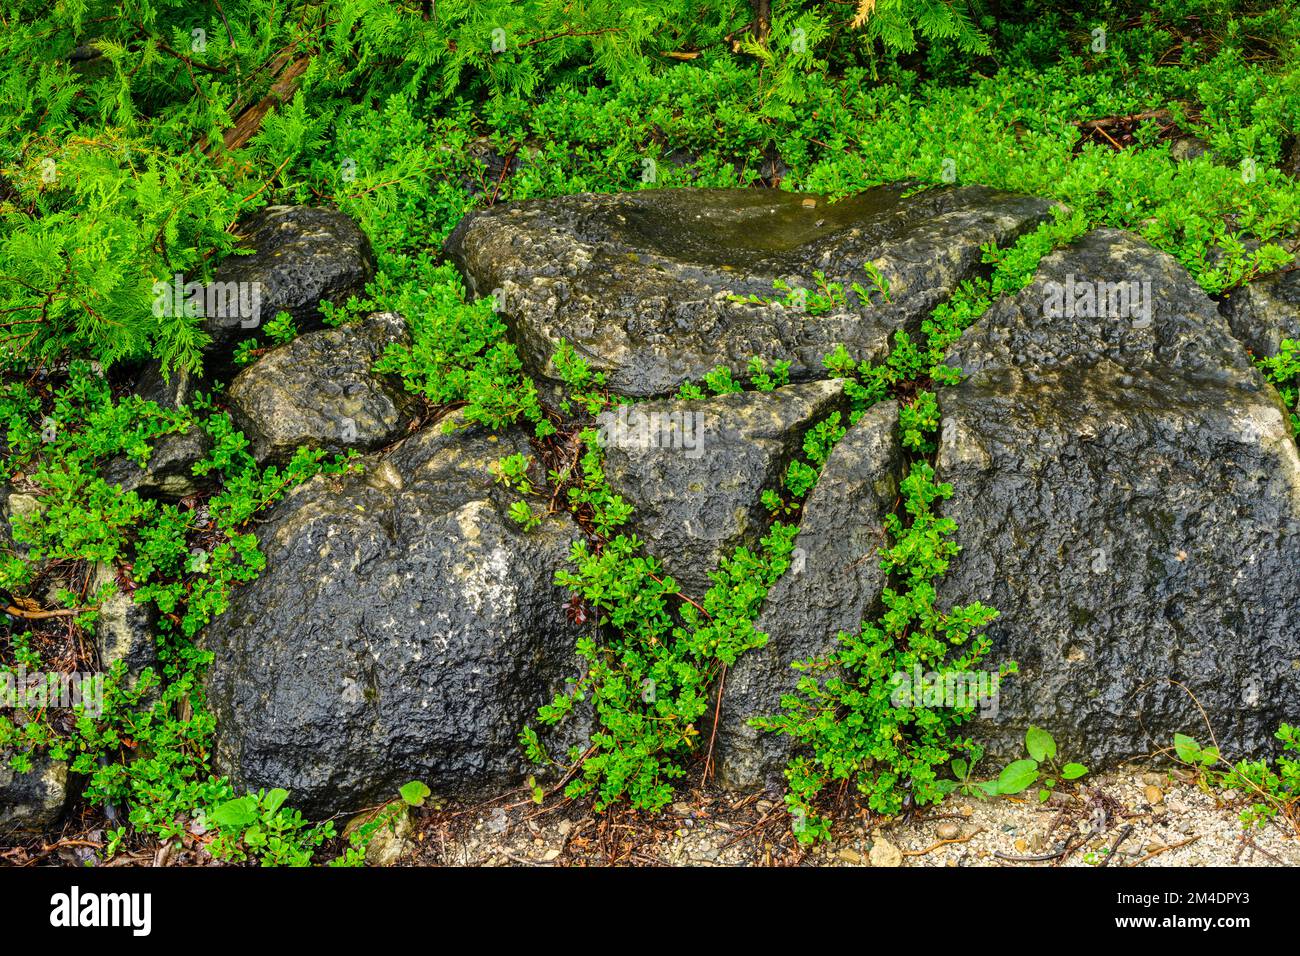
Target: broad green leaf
{"x": 1040, "y": 744}
{"x": 1073, "y": 771}
{"x": 274, "y": 800}
{"x": 239, "y": 812}
{"x": 1017, "y": 776}
{"x": 959, "y": 768}
{"x": 1189, "y": 751}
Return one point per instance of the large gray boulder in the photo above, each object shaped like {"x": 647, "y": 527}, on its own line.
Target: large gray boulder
{"x": 319, "y": 391}
{"x": 833, "y": 585}
{"x": 695, "y": 471}
{"x": 1128, "y": 496}
{"x": 642, "y": 283}
{"x": 404, "y": 628}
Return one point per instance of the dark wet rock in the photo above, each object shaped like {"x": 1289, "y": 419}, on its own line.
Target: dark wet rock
{"x": 1264, "y": 312}
{"x": 301, "y": 255}
{"x": 319, "y": 391}
{"x": 773, "y": 169}
{"x": 404, "y": 628}
{"x": 1128, "y": 496}
{"x": 833, "y": 585}
{"x": 641, "y": 283}
{"x": 683, "y": 163}
{"x": 697, "y": 499}
{"x": 169, "y": 472}
{"x": 172, "y": 390}
{"x": 32, "y": 802}
{"x": 6, "y": 529}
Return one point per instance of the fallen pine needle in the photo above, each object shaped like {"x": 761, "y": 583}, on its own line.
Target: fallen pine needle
{"x": 1165, "y": 849}
{"x": 931, "y": 849}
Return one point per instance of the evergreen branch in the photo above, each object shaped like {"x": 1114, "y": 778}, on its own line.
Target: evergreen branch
{"x": 569, "y": 33}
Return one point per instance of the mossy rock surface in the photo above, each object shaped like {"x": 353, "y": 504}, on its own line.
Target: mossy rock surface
{"x": 1127, "y": 494}
{"x": 642, "y": 283}
{"x": 404, "y": 629}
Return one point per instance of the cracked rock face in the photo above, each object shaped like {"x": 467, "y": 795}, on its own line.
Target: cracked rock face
{"x": 169, "y": 472}
{"x": 1128, "y": 496}
{"x": 300, "y": 256}
{"x": 695, "y": 470}
{"x": 1126, "y": 490}
{"x": 833, "y": 585}
{"x": 641, "y": 283}
{"x": 319, "y": 391}
{"x": 1265, "y": 312}
{"x": 404, "y": 628}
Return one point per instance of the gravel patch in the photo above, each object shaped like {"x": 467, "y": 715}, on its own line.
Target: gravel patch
{"x": 1138, "y": 818}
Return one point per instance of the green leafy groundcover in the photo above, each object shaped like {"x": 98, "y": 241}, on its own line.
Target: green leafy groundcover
{"x": 407, "y": 116}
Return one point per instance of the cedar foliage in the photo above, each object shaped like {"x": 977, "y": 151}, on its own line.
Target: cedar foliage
{"x": 97, "y": 205}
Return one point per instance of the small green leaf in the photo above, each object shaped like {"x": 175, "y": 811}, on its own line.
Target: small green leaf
{"x": 1017, "y": 776}
{"x": 1044, "y": 796}
{"x": 414, "y": 793}
{"x": 274, "y": 800}
{"x": 236, "y": 813}
{"x": 1073, "y": 771}
{"x": 1040, "y": 744}
{"x": 959, "y": 768}
{"x": 1189, "y": 751}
